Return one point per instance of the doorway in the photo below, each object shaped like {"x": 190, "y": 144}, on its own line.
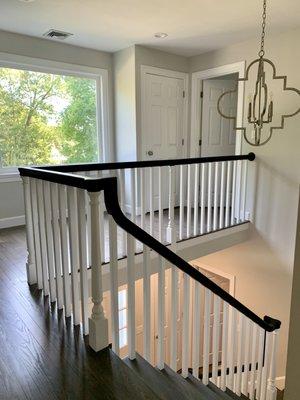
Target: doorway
{"x": 164, "y": 102}
{"x": 217, "y": 133}
{"x": 212, "y": 135}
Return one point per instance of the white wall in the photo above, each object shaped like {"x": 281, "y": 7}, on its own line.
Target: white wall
{"x": 11, "y": 197}
{"x": 125, "y": 104}
{"x": 293, "y": 382}
{"x": 264, "y": 264}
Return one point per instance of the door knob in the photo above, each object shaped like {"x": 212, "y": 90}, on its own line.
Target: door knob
{"x": 150, "y": 153}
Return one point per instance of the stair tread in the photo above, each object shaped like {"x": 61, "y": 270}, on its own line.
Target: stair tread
{"x": 210, "y": 394}
{"x": 119, "y": 381}
{"x": 168, "y": 384}
{"x": 228, "y": 395}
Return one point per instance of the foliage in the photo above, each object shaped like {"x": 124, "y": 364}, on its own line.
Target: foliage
{"x": 46, "y": 118}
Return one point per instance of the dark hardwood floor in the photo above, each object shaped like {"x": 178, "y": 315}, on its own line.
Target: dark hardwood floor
{"x": 42, "y": 355}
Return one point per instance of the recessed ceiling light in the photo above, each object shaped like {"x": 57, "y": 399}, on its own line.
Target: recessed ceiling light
{"x": 160, "y": 35}
{"x": 27, "y": 1}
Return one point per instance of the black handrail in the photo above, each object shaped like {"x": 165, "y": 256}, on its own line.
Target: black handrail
{"x": 143, "y": 164}
{"x": 110, "y": 188}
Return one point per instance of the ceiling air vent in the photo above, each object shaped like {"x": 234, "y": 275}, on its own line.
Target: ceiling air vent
{"x": 55, "y": 34}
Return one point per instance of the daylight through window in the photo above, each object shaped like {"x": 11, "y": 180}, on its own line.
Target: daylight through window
{"x": 47, "y": 118}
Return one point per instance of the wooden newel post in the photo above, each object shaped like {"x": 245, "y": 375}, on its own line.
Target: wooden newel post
{"x": 98, "y": 324}
{"x": 30, "y": 264}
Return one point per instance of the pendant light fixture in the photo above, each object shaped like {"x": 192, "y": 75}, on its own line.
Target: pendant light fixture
{"x": 260, "y": 110}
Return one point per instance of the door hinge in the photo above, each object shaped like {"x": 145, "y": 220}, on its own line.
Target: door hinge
{"x": 183, "y": 94}
{"x": 182, "y": 142}
{"x": 200, "y": 142}
{"x": 201, "y": 94}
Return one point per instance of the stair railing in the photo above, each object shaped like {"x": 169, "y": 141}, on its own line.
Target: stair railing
{"x": 237, "y": 351}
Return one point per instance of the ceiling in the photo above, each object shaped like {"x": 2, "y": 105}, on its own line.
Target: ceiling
{"x": 193, "y": 26}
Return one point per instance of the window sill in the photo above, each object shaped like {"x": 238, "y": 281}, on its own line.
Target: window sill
{"x": 6, "y": 177}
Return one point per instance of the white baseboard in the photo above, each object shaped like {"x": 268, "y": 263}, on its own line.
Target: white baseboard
{"x": 280, "y": 382}
{"x": 12, "y": 221}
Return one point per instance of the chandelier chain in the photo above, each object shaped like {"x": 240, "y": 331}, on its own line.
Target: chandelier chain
{"x": 263, "y": 31}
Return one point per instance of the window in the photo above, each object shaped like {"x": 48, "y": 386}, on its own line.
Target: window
{"x": 122, "y": 317}
{"x": 50, "y": 116}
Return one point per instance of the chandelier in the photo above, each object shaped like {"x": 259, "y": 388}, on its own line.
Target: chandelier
{"x": 260, "y": 107}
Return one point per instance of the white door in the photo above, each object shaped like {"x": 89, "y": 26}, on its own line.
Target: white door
{"x": 162, "y": 122}
{"x": 217, "y": 133}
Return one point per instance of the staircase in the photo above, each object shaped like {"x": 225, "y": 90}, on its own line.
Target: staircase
{"x": 196, "y": 356}
{"x": 137, "y": 379}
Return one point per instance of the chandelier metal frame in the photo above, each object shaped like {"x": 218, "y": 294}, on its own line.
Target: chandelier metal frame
{"x": 260, "y": 110}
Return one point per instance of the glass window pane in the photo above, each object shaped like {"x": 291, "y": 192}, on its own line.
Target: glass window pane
{"x": 122, "y": 318}
{"x": 122, "y": 299}
{"x": 47, "y": 118}
{"x": 123, "y": 337}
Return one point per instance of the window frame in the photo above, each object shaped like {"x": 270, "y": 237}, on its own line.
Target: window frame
{"x": 100, "y": 75}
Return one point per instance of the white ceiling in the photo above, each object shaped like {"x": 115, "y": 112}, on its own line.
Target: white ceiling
{"x": 194, "y": 26}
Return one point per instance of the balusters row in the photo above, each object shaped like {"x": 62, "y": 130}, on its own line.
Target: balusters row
{"x": 203, "y": 197}
{"x": 59, "y": 220}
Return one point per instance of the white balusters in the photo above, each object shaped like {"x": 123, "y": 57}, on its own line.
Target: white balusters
{"x": 222, "y": 196}
{"x": 142, "y": 200}
{"x": 244, "y": 188}
{"x": 260, "y": 360}
{"x": 74, "y": 254}
{"x": 133, "y": 194}
{"x": 181, "y": 201}
{"x": 30, "y": 263}
{"x": 56, "y": 244}
{"x": 232, "y": 347}
{"x": 82, "y": 234}
{"x": 246, "y": 357}
{"x": 196, "y": 339}
{"x": 224, "y": 346}
{"x": 188, "y": 202}
{"x": 186, "y": 325}
{"x": 216, "y": 197}
{"x": 130, "y": 297}
{"x": 265, "y": 368}
{"x": 216, "y": 339}
{"x": 174, "y": 318}
{"x": 206, "y": 338}
{"x": 171, "y": 234}
{"x": 113, "y": 264}
{"x": 98, "y": 325}
{"x": 49, "y": 240}
{"x": 203, "y": 199}
{"x": 64, "y": 248}
{"x": 146, "y": 303}
{"x": 151, "y": 200}
{"x": 241, "y": 344}
{"x": 42, "y": 230}
{"x": 36, "y": 234}
{"x": 196, "y": 200}
{"x": 228, "y": 193}
{"x": 233, "y": 194}
{"x": 160, "y": 205}
{"x": 209, "y": 197}
{"x": 161, "y": 313}
{"x": 271, "y": 387}
{"x": 121, "y": 183}
{"x": 253, "y": 361}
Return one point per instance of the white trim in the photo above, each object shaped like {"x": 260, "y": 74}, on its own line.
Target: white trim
{"x": 12, "y": 221}
{"x": 231, "y": 278}
{"x": 12, "y": 176}
{"x": 197, "y": 78}
{"x": 60, "y": 68}
{"x": 280, "y": 382}
{"x": 145, "y": 69}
